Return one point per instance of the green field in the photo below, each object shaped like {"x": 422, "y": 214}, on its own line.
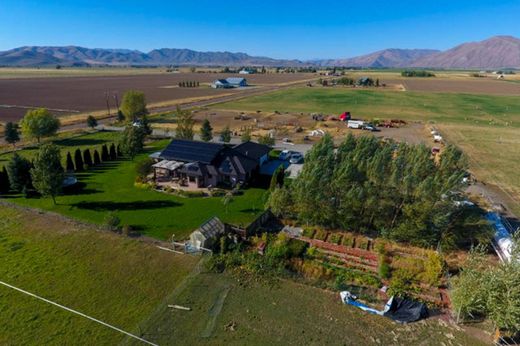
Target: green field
{"x": 110, "y": 187}
{"x": 489, "y": 111}
{"x": 115, "y": 279}
{"x": 81, "y": 141}
{"x": 485, "y": 127}
{"x": 227, "y": 311}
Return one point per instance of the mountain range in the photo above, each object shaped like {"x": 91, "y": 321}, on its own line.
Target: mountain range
{"x": 493, "y": 53}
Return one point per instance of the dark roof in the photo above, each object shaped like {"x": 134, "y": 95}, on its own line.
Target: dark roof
{"x": 191, "y": 151}
{"x": 252, "y": 150}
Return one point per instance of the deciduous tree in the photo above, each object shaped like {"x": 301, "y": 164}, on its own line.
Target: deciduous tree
{"x": 39, "y": 123}
{"x": 133, "y": 105}
{"x": 47, "y": 174}
{"x": 185, "y": 124}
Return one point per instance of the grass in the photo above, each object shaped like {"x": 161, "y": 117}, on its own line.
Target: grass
{"x": 485, "y": 127}
{"x": 437, "y": 107}
{"x": 70, "y": 143}
{"x": 115, "y": 279}
{"x": 110, "y": 187}
{"x": 228, "y": 311}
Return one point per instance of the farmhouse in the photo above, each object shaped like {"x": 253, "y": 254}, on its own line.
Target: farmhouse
{"x": 231, "y": 82}
{"x": 200, "y": 164}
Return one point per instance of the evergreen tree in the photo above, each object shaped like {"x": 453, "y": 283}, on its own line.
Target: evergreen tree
{"x": 87, "y": 158}
{"x": 47, "y": 174}
{"x": 18, "y": 171}
{"x": 91, "y": 121}
{"x": 78, "y": 161}
{"x": 70, "y": 163}
{"x": 104, "y": 153}
{"x": 4, "y": 181}
{"x": 206, "y": 131}
{"x": 225, "y": 135}
{"x": 11, "y": 133}
{"x": 118, "y": 150}
{"x": 112, "y": 152}
{"x": 97, "y": 158}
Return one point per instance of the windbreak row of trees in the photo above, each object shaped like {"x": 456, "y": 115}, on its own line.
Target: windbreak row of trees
{"x": 89, "y": 158}
{"x": 397, "y": 191}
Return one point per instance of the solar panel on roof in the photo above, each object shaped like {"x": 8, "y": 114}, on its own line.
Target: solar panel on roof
{"x": 191, "y": 151}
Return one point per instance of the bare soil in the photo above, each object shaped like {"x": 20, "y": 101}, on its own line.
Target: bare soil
{"x": 83, "y": 94}
{"x": 470, "y": 86}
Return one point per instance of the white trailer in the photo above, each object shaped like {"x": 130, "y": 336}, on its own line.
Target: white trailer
{"x": 355, "y": 124}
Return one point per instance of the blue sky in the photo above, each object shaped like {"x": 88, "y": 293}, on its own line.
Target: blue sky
{"x": 281, "y": 29}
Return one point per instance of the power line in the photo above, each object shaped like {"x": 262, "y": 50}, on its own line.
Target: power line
{"x": 78, "y": 313}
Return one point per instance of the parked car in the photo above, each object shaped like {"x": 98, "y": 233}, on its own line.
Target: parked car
{"x": 285, "y": 155}
{"x": 370, "y": 127}
{"x": 296, "y": 158}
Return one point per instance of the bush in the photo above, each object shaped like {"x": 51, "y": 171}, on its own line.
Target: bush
{"x": 362, "y": 243}
{"x": 433, "y": 266}
{"x": 144, "y": 167}
{"x": 111, "y": 221}
{"x": 402, "y": 283}
{"x": 384, "y": 269}
{"x": 348, "y": 240}
{"x": 320, "y": 235}
{"x": 380, "y": 247}
{"x": 308, "y": 232}
{"x": 335, "y": 238}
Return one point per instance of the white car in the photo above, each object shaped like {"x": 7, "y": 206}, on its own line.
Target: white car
{"x": 296, "y": 158}
{"x": 285, "y": 155}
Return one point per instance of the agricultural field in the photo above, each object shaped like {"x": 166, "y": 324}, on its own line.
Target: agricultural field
{"x": 118, "y": 280}
{"x": 73, "y": 95}
{"x": 484, "y": 126}
{"x": 110, "y": 187}
{"x": 231, "y": 311}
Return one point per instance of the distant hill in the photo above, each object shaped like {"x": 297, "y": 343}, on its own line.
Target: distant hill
{"x": 386, "y": 58}
{"x": 80, "y": 56}
{"x": 496, "y": 52}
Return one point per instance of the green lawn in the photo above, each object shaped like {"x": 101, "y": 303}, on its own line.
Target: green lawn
{"x": 118, "y": 280}
{"x": 92, "y": 141}
{"x": 111, "y": 188}
{"x": 227, "y": 311}
{"x": 441, "y": 107}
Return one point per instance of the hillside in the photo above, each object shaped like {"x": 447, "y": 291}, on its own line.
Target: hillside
{"x": 496, "y": 52}
{"x": 382, "y": 59}
{"x": 80, "y": 56}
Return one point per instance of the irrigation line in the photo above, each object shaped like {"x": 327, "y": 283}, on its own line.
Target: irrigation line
{"x": 78, "y": 313}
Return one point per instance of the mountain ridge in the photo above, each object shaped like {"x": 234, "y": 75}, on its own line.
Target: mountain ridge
{"x": 493, "y": 53}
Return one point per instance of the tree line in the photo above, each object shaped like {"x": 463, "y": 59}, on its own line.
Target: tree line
{"x": 417, "y": 73}
{"x": 398, "y": 191}
{"x": 189, "y": 84}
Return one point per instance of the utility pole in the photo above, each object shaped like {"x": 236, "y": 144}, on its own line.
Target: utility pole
{"x": 107, "y": 97}
{"x": 117, "y": 100}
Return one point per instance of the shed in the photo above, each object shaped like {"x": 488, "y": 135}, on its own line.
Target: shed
{"x": 236, "y": 81}
{"x": 208, "y": 233}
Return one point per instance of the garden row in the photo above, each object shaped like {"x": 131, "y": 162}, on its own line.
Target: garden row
{"x": 346, "y": 239}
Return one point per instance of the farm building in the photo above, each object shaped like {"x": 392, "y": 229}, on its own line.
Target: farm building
{"x": 208, "y": 233}
{"x": 231, "y": 82}
{"x": 200, "y": 164}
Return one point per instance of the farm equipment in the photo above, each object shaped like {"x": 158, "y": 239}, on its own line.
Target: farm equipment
{"x": 345, "y": 116}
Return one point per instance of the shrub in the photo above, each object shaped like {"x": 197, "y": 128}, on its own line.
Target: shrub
{"x": 111, "y": 221}
{"x": 384, "y": 269}
{"x": 362, "y": 243}
{"x": 348, "y": 240}
{"x": 433, "y": 266}
{"x": 380, "y": 247}
{"x": 320, "y": 235}
{"x": 308, "y": 232}
{"x": 144, "y": 167}
{"x": 402, "y": 283}
{"x": 335, "y": 238}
